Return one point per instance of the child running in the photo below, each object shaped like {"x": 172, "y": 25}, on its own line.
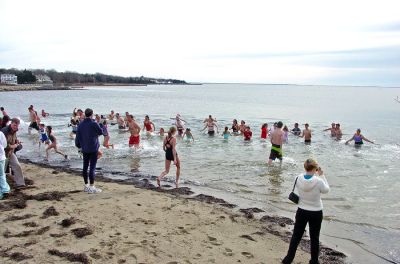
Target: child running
{"x": 43, "y": 135}
{"x": 264, "y": 131}
{"x": 188, "y": 134}
{"x": 169, "y": 147}
{"x": 53, "y": 144}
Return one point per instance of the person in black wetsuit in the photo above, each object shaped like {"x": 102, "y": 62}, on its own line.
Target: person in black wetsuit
{"x": 169, "y": 147}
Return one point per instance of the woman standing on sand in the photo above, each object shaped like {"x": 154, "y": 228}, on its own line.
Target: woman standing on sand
{"x": 169, "y": 147}
{"x": 309, "y": 209}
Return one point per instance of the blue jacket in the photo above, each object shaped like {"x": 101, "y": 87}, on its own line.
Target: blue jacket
{"x": 87, "y": 136}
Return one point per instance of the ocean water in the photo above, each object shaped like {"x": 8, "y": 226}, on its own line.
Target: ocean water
{"x": 362, "y": 211}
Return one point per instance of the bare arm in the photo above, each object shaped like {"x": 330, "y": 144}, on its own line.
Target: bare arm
{"x": 347, "y": 142}
{"x": 173, "y": 143}
{"x": 364, "y": 138}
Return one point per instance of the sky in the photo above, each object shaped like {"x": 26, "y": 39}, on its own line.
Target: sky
{"x": 296, "y": 42}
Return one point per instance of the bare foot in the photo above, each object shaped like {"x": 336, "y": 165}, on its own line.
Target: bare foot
{"x": 177, "y": 185}
{"x": 158, "y": 182}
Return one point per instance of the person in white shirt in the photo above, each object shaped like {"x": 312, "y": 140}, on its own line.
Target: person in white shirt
{"x": 4, "y": 187}
{"x": 310, "y": 187}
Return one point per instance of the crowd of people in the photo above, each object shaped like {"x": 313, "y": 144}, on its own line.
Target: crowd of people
{"x": 87, "y": 127}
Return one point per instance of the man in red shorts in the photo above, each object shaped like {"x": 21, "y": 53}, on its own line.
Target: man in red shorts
{"x": 134, "y": 129}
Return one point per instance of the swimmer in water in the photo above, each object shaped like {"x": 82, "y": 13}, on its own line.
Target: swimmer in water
{"x": 332, "y": 129}
{"x": 242, "y": 127}
{"x": 306, "y": 134}
{"x": 121, "y": 122}
{"x": 179, "y": 124}
{"x": 264, "y": 131}
{"x": 235, "y": 127}
{"x": 285, "y": 134}
{"x": 44, "y": 114}
{"x": 209, "y": 119}
{"x": 106, "y": 142}
{"x": 210, "y": 125}
{"x": 296, "y": 130}
{"x": 134, "y": 129}
{"x": 358, "y": 139}
{"x": 169, "y": 147}
{"x": 53, "y": 144}
{"x": 338, "y": 132}
{"x": 247, "y": 134}
{"x": 277, "y": 142}
{"x": 148, "y": 125}
{"x": 226, "y": 134}
{"x": 161, "y": 132}
{"x": 188, "y": 134}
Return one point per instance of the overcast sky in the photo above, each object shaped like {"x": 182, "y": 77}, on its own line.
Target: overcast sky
{"x": 303, "y": 42}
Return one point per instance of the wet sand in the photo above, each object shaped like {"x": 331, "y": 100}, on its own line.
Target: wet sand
{"x": 55, "y": 221}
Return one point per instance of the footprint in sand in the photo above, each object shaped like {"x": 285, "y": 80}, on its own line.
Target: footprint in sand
{"x": 228, "y": 252}
{"x": 247, "y": 254}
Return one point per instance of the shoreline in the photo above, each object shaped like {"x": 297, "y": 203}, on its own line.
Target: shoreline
{"x": 267, "y": 225}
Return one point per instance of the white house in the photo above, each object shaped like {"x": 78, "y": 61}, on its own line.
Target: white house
{"x": 42, "y": 78}
{"x": 9, "y": 79}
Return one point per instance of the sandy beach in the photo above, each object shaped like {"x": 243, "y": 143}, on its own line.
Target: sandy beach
{"x": 55, "y": 221}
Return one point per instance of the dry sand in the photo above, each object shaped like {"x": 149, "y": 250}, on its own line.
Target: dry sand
{"x": 125, "y": 224}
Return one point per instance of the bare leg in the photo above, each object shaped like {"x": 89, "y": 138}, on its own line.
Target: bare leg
{"x": 178, "y": 172}
{"x": 164, "y": 173}
{"x": 59, "y": 152}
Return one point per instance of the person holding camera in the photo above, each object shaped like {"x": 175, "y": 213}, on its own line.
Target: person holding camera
{"x": 310, "y": 186}
{"x": 13, "y": 145}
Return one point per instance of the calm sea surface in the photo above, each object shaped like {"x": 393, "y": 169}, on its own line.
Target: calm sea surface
{"x": 362, "y": 211}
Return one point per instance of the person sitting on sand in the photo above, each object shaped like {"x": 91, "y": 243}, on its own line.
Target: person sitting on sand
{"x": 53, "y": 143}
{"x": 134, "y": 129}
{"x": 4, "y": 187}
{"x": 44, "y": 114}
{"x": 169, "y": 147}
{"x": 87, "y": 139}
{"x": 310, "y": 187}
{"x": 188, "y": 134}
{"x": 226, "y": 134}
{"x": 148, "y": 125}
{"x": 332, "y": 129}
{"x": 277, "y": 142}
{"x": 296, "y": 130}
{"x": 264, "y": 131}
{"x": 247, "y": 134}
{"x": 306, "y": 134}
{"x": 358, "y": 139}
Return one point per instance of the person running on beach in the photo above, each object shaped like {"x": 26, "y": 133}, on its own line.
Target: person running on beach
{"x": 43, "y": 138}
{"x": 310, "y": 185}
{"x": 247, "y": 134}
{"x": 148, "y": 125}
{"x": 210, "y": 125}
{"x": 226, "y": 134}
{"x": 264, "y": 131}
{"x": 53, "y": 143}
{"x": 106, "y": 142}
{"x": 179, "y": 124}
{"x": 4, "y": 187}
{"x": 306, "y": 134}
{"x": 358, "y": 139}
{"x": 276, "y": 141}
{"x": 13, "y": 144}
{"x": 87, "y": 139}
{"x": 285, "y": 134}
{"x": 332, "y": 129}
{"x": 3, "y": 111}
{"x": 235, "y": 127}
{"x": 44, "y": 114}
{"x": 121, "y": 122}
{"x": 169, "y": 147}
{"x": 188, "y": 134}
{"x": 33, "y": 120}
{"x": 296, "y": 130}
{"x": 134, "y": 129}
{"x": 338, "y": 132}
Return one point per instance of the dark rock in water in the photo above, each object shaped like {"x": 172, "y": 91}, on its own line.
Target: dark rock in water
{"x": 82, "y": 232}
{"x": 177, "y": 191}
{"x": 212, "y": 200}
{"x": 55, "y": 172}
{"x": 68, "y": 222}
{"x": 51, "y": 211}
{"x": 145, "y": 184}
{"x": 282, "y": 221}
{"x": 72, "y": 257}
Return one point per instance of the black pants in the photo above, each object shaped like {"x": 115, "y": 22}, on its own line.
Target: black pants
{"x": 89, "y": 159}
{"x": 314, "y": 220}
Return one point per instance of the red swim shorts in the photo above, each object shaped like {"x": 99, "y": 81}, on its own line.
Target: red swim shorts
{"x": 134, "y": 140}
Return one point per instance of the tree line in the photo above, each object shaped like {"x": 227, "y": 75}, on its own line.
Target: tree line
{"x": 69, "y": 77}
